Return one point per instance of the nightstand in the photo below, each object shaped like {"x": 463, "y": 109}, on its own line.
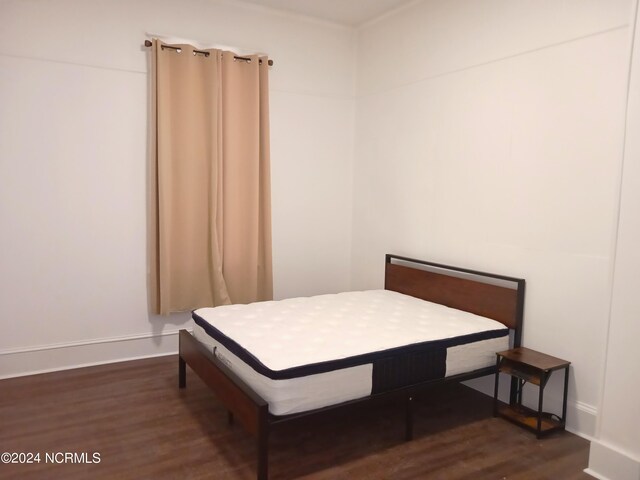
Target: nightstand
{"x": 527, "y": 365}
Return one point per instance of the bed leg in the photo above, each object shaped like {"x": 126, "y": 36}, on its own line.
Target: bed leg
{"x": 408, "y": 432}
{"x": 263, "y": 452}
{"x": 229, "y": 417}
{"x": 182, "y": 373}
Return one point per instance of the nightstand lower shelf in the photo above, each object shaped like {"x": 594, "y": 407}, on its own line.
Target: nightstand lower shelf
{"x": 528, "y": 418}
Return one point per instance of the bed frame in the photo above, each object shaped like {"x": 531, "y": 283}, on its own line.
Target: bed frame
{"x": 476, "y": 292}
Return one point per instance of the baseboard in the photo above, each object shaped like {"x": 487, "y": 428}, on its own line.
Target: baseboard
{"x": 581, "y": 417}
{"x": 607, "y": 462}
{"x": 64, "y": 356}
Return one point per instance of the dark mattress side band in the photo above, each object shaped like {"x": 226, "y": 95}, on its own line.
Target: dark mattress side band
{"x": 402, "y": 369}
{"x": 330, "y": 365}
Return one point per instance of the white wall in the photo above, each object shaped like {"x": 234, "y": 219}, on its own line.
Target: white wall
{"x": 73, "y": 134}
{"x": 615, "y": 453}
{"x": 489, "y": 135}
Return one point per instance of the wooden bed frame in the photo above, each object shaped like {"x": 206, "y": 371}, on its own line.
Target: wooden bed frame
{"x": 476, "y": 292}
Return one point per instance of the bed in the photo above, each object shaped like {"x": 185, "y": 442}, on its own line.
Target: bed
{"x": 275, "y": 362}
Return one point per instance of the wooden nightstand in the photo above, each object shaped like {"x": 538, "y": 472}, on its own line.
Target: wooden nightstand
{"x": 527, "y": 365}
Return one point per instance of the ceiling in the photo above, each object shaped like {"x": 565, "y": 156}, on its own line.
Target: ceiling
{"x": 345, "y": 12}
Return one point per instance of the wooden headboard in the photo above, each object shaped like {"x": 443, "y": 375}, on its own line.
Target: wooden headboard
{"x": 460, "y": 288}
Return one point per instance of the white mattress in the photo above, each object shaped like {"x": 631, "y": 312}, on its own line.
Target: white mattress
{"x": 302, "y": 353}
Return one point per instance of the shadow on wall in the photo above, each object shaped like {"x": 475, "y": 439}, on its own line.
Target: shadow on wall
{"x": 163, "y": 326}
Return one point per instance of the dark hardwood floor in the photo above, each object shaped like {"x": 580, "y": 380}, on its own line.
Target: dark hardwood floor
{"x": 142, "y": 426}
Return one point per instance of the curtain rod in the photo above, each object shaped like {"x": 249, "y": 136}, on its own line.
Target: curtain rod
{"x": 148, "y": 43}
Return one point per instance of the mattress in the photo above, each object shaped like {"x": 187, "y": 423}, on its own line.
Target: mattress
{"x": 305, "y": 353}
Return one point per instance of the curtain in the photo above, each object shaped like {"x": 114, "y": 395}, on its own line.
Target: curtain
{"x": 210, "y": 179}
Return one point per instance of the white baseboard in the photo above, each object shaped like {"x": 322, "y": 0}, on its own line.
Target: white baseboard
{"x": 64, "y": 356}
{"x": 581, "y": 419}
{"x": 607, "y": 462}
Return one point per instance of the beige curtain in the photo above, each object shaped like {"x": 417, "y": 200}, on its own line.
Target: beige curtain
{"x": 211, "y": 196}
